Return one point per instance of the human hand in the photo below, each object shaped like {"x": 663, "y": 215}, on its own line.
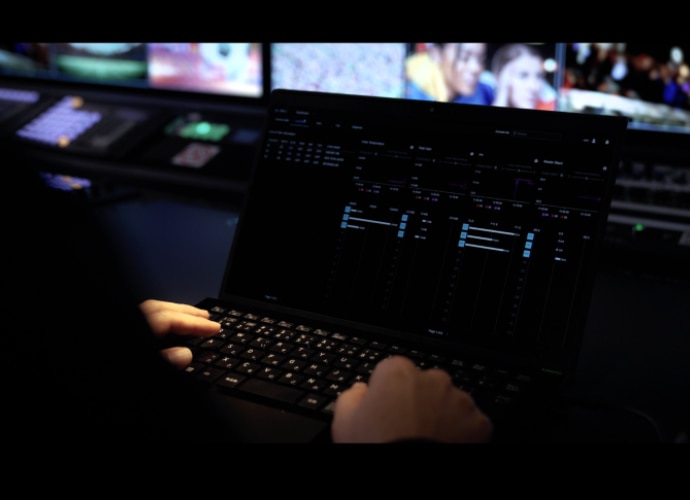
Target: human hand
{"x": 403, "y": 402}
{"x": 181, "y": 319}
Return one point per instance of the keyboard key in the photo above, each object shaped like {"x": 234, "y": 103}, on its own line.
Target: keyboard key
{"x": 292, "y": 379}
{"x": 231, "y": 380}
{"x": 313, "y": 401}
{"x": 209, "y": 374}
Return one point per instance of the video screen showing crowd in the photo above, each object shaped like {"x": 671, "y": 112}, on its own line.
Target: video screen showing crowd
{"x": 650, "y": 84}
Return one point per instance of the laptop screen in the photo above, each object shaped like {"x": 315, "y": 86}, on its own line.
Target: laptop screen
{"x": 463, "y": 224}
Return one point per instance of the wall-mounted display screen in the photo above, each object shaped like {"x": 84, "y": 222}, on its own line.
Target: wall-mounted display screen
{"x": 225, "y": 69}
{"x": 350, "y": 68}
{"x": 648, "y": 83}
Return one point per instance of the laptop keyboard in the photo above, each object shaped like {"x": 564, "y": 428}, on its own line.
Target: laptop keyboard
{"x": 304, "y": 367}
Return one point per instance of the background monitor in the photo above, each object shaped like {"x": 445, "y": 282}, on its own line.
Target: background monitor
{"x": 351, "y": 68}
{"x": 218, "y": 68}
{"x": 647, "y": 82}
{"x": 650, "y": 83}
{"x": 522, "y": 75}
{"x": 231, "y": 70}
{"x": 415, "y": 70}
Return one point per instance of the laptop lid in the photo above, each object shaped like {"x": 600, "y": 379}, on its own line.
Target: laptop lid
{"x": 456, "y": 226}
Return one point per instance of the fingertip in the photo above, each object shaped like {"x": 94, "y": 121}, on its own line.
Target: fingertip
{"x": 179, "y": 357}
{"x": 359, "y": 386}
{"x": 353, "y": 394}
{"x": 213, "y": 328}
{"x": 394, "y": 363}
{"x": 202, "y": 312}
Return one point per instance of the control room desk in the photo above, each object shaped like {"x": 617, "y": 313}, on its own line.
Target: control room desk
{"x": 636, "y": 352}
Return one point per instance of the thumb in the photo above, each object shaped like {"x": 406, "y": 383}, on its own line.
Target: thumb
{"x": 179, "y": 357}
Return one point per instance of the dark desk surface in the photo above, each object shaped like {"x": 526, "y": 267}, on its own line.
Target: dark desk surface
{"x": 635, "y": 356}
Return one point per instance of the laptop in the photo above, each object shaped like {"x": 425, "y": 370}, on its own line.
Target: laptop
{"x": 462, "y": 236}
